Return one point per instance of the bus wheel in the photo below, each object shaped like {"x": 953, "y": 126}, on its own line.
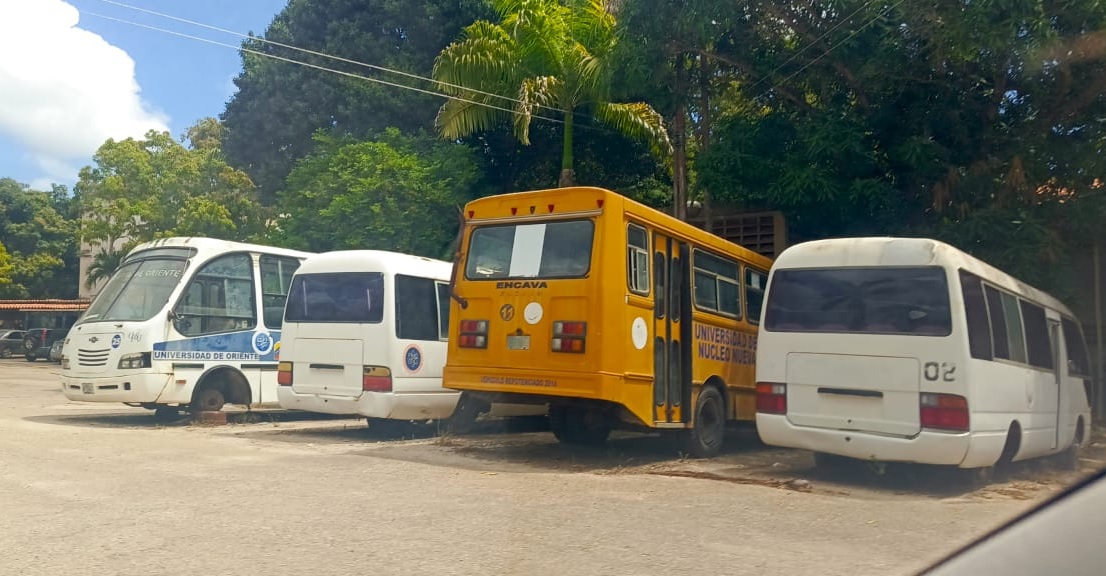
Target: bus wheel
{"x": 706, "y": 437}
{"x": 166, "y": 413}
{"x": 573, "y": 425}
{"x": 465, "y": 415}
{"x": 208, "y": 399}
{"x": 1069, "y": 459}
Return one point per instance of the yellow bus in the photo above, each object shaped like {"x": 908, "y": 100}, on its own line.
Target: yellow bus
{"x": 612, "y": 313}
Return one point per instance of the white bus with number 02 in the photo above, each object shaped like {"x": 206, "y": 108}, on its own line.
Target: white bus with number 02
{"x": 365, "y": 333}
{"x": 183, "y": 322}
{"x": 905, "y": 349}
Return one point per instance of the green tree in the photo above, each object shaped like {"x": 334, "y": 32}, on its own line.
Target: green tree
{"x": 5, "y": 269}
{"x": 396, "y": 193}
{"x": 279, "y": 105}
{"x": 139, "y": 190}
{"x": 104, "y": 264}
{"x": 40, "y": 239}
{"x": 552, "y": 58}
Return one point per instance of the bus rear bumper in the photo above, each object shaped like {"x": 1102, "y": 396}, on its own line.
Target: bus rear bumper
{"x": 135, "y": 388}
{"x": 397, "y": 406}
{"x": 925, "y": 448}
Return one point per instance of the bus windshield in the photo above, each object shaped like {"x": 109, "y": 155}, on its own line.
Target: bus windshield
{"x": 560, "y": 249}
{"x": 906, "y": 300}
{"x": 137, "y": 291}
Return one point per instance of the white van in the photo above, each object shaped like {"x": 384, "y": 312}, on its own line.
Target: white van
{"x": 906, "y": 349}
{"x": 365, "y": 333}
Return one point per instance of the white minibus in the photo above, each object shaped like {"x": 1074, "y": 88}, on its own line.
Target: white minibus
{"x": 906, "y": 349}
{"x": 183, "y": 322}
{"x": 365, "y": 333}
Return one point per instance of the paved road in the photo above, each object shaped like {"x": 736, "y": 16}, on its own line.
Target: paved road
{"x": 90, "y": 489}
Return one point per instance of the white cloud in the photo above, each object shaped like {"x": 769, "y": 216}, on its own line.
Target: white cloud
{"x": 64, "y": 90}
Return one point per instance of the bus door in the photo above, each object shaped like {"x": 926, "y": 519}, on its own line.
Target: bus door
{"x": 672, "y": 330}
{"x": 1059, "y": 369}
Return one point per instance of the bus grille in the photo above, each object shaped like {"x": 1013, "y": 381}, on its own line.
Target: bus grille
{"x": 93, "y": 357}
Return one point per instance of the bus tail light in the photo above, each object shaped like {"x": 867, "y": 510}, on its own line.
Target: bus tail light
{"x": 376, "y": 379}
{"x": 569, "y": 336}
{"x": 474, "y": 334}
{"x": 944, "y": 412}
{"x": 284, "y": 374}
{"x": 771, "y": 398}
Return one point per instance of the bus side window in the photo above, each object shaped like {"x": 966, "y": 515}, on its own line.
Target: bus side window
{"x": 755, "y": 281}
{"x": 276, "y": 278}
{"x": 220, "y": 298}
{"x": 998, "y": 323}
{"x": 416, "y": 308}
{"x": 1038, "y": 346}
{"x": 975, "y": 311}
{"x": 717, "y": 287}
{"x": 1014, "y": 329}
{"x": 637, "y": 259}
{"x": 443, "y": 311}
{"x": 659, "y": 291}
{"x": 1077, "y": 349}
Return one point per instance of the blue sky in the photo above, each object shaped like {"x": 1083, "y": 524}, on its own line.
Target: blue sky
{"x": 71, "y": 89}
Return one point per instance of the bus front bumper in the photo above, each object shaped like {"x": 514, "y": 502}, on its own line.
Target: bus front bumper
{"x": 140, "y": 388}
{"x": 396, "y": 406}
{"x": 925, "y": 448}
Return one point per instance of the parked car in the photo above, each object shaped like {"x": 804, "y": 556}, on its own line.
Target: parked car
{"x": 11, "y": 341}
{"x": 55, "y": 350}
{"x": 38, "y": 341}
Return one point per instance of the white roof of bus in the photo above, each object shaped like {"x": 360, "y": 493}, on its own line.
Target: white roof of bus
{"x": 890, "y": 251}
{"x": 205, "y": 244}
{"x": 375, "y": 261}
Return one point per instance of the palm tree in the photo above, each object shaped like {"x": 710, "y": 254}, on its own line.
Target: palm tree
{"x": 103, "y": 265}
{"x": 552, "y": 59}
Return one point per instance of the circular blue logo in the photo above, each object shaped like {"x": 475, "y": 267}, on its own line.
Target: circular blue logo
{"x": 116, "y": 340}
{"x": 412, "y": 358}
{"x": 262, "y": 343}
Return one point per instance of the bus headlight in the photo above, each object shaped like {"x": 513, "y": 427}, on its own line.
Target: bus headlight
{"x": 135, "y": 360}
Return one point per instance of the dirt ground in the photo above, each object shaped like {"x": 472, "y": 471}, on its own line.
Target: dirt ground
{"x": 105, "y": 489}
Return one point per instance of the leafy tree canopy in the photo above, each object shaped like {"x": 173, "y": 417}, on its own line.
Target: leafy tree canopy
{"x": 397, "y": 192}
{"x": 39, "y": 233}
{"x": 139, "y": 190}
{"x": 279, "y": 105}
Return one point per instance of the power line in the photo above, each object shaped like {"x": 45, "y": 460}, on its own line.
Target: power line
{"x": 317, "y": 53}
{"x": 318, "y": 67}
{"x": 830, "y": 49}
{"x": 797, "y": 54}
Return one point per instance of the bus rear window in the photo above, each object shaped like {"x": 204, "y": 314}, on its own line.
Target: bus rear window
{"x": 560, "y": 249}
{"x": 900, "y": 300}
{"x": 344, "y": 297}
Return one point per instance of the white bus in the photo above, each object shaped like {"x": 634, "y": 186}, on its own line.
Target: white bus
{"x": 365, "y": 333}
{"x": 184, "y": 322}
{"x": 903, "y": 349}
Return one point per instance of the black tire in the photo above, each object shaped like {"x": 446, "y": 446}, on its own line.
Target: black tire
{"x": 31, "y": 357}
{"x": 166, "y": 413}
{"x": 574, "y": 425}
{"x": 831, "y": 462}
{"x": 208, "y": 399}
{"x": 464, "y": 417}
{"x": 978, "y": 477}
{"x": 706, "y": 438}
{"x": 6, "y": 353}
{"x": 1069, "y": 459}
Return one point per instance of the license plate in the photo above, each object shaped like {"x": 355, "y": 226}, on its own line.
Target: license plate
{"x": 86, "y": 388}
{"x": 516, "y": 342}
